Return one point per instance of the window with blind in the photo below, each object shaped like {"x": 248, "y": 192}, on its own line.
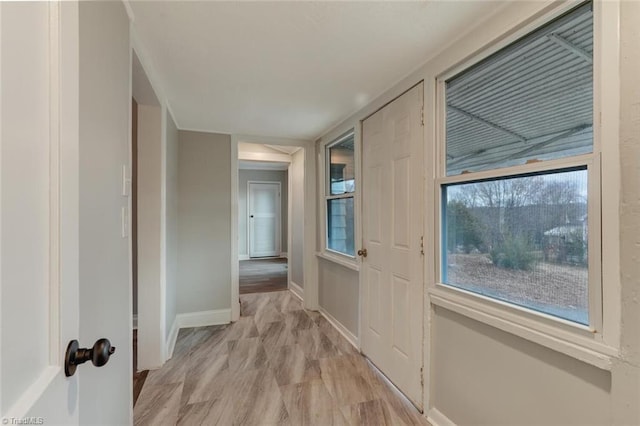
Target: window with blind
{"x": 520, "y": 173}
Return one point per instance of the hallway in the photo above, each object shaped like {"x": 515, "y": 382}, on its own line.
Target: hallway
{"x": 263, "y": 275}
{"x": 279, "y": 364}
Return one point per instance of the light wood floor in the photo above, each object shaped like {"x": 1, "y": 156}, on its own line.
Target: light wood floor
{"x": 279, "y": 364}
{"x": 262, "y": 275}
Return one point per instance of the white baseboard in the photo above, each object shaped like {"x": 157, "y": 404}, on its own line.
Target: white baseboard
{"x": 243, "y": 257}
{"x": 296, "y": 289}
{"x": 171, "y": 340}
{"x": 351, "y": 338}
{"x": 204, "y": 318}
{"x": 436, "y": 418}
{"x": 135, "y": 321}
{"x": 284, "y": 254}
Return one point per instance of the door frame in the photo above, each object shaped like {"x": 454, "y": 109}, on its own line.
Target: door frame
{"x": 424, "y": 217}
{"x": 278, "y": 216}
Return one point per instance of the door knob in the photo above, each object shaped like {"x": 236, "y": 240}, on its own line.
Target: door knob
{"x": 362, "y": 252}
{"x": 98, "y": 355}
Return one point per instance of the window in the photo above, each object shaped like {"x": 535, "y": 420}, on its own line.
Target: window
{"x": 340, "y": 189}
{"x": 516, "y": 183}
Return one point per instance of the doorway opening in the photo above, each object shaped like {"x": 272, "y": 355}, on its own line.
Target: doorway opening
{"x": 146, "y": 225}
{"x": 270, "y": 213}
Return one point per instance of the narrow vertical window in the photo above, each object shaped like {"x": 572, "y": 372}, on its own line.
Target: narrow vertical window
{"x": 340, "y": 191}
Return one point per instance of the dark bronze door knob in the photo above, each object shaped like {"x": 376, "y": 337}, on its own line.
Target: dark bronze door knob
{"x": 98, "y": 355}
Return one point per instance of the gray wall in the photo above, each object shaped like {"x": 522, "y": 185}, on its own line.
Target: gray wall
{"x": 104, "y": 104}
{"x": 244, "y": 176}
{"x": 296, "y": 254}
{"x": 513, "y": 380}
{"x": 204, "y": 221}
{"x": 482, "y": 375}
{"x": 171, "y": 221}
{"x": 338, "y": 289}
{"x": 149, "y": 225}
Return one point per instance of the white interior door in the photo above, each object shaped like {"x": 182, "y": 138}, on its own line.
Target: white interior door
{"x": 64, "y": 264}
{"x": 39, "y": 227}
{"x": 264, "y": 219}
{"x": 392, "y": 273}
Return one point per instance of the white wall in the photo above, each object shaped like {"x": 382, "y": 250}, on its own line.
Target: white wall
{"x": 150, "y": 337}
{"x": 296, "y": 195}
{"x": 171, "y": 245}
{"x": 477, "y": 374}
{"x": 105, "y": 101}
{"x": 204, "y": 222}
{"x": 244, "y": 176}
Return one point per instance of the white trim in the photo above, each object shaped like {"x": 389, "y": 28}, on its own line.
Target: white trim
{"x": 310, "y": 274}
{"x": 337, "y": 258}
{"x": 436, "y": 418}
{"x": 33, "y": 393}
{"x": 584, "y": 349}
{"x": 606, "y": 80}
{"x": 263, "y": 156}
{"x": 55, "y": 88}
{"x": 163, "y": 221}
{"x": 171, "y": 339}
{"x": 243, "y": 257}
{"x": 346, "y": 333}
{"x": 235, "y": 265}
{"x": 285, "y": 254}
{"x": 289, "y": 226}
{"x": 203, "y": 318}
{"x": 296, "y": 290}
{"x": 134, "y": 322}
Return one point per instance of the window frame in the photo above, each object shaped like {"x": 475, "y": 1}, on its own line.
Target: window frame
{"x": 338, "y": 256}
{"x": 596, "y": 343}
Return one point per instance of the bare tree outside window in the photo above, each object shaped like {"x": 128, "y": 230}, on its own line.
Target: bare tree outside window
{"x": 521, "y": 239}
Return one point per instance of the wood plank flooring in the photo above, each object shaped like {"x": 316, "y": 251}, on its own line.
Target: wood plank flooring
{"x": 138, "y": 377}
{"x": 262, "y": 275}
{"x": 278, "y": 365}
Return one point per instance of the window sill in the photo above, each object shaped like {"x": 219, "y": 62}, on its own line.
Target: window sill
{"x": 558, "y": 338}
{"x": 340, "y": 260}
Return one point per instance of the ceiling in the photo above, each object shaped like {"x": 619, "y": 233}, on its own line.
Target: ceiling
{"x": 289, "y": 69}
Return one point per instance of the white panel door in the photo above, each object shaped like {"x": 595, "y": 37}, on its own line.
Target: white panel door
{"x": 392, "y": 273}
{"x": 264, "y": 219}
{"x": 45, "y": 242}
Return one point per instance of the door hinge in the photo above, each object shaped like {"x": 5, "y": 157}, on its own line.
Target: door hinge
{"x": 422, "y": 115}
{"x": 422, "y": 245}
{"x": 421, "y": 377}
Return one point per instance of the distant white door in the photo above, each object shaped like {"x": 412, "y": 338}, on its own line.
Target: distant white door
{"x": 264, "y": 219}
{"x": 392, "y": 272}
{"x": 65, "y": 266}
